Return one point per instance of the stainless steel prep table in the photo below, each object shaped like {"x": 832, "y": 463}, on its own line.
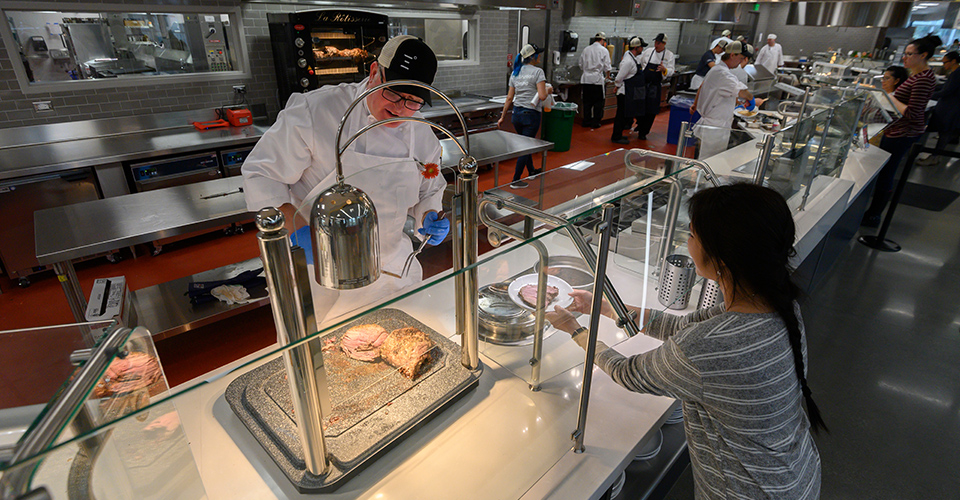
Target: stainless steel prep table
{"x": 74, "y": 231}
{"x": 493, "y": 147}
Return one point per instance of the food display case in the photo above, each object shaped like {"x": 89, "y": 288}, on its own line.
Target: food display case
{"x": 502, "y": 429}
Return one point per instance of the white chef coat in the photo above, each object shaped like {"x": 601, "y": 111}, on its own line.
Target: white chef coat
{"x": 666, "y": 58}
{"x": 298, "y": 151}
{"x": 594, "y": 61}
{"x": 627, "y": 70}
{"x": 718, "y": 97}
{"x": 770, "y": 57}
{"x": 296, "y": 159}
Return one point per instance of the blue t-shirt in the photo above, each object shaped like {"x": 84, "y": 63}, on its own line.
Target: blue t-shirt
{"x": 705, "y": 61}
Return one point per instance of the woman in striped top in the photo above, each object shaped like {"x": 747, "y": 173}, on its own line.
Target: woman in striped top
{"x": 740, "y": 367}
{"x": 910, "y": 98}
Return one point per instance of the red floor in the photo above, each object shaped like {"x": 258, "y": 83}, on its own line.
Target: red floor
{"x": 198, "y": 351}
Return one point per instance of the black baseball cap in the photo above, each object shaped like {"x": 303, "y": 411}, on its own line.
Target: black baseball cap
{"x": 660, "y": 38}
{"x": 407, "y": 57}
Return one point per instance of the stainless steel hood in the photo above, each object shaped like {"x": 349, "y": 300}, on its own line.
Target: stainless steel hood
{"x": 658, "y": 10}
{"x": 850, "y": 14}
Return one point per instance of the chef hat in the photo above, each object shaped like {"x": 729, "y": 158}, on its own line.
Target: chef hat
{"x": 771, "y": 36}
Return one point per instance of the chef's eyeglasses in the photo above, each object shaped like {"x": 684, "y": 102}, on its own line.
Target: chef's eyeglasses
{"x": 390, "y": 95}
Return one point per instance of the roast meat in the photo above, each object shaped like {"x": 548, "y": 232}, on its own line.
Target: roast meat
{"x": 362, "y": 342}
{"x": 409, "y": 350}
{"x": 528, "y": 294}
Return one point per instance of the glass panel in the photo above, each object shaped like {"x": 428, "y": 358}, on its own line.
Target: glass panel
{"x": 32, "y": 377}
{"x": 64, "y": 46}
{"x": 500, "y": 426}
{"x": 721, "y": 145}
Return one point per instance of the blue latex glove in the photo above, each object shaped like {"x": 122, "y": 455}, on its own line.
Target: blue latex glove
{"x": 751, "y": 104}
{"x": 301, "y": 237}
{"x": 435, "y": 226}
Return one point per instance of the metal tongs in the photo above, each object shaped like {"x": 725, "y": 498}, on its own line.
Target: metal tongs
{"x": 426, "y": 238}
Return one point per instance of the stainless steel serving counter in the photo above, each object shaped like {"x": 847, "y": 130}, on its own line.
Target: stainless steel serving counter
{"x": 53, "y": 148}
{"x": 490, "y": 148}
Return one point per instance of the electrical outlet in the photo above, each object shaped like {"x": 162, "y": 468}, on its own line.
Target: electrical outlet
{"x": 42, "y": 106}
{"x": 240, "y": 89}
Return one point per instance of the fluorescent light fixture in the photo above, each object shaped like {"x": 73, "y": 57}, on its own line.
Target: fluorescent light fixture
{"x": 720, "y": 22}
{"x": 678, "y": 19}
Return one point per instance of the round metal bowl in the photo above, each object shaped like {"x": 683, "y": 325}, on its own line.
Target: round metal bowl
{"x": 501, "y": 321}
{"x": 571, "y": 269}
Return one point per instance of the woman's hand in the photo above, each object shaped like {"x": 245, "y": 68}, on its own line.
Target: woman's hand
{"x": 500, "y": 121}
{"x": 583, "y": 301}
{"x": 562, "y": 319}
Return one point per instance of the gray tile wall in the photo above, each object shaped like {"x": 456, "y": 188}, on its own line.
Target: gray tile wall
{"x": 16, "y": 109}
{"x": 804, "y": 40}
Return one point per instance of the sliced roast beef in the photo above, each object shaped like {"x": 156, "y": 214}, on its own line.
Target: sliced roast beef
{"x": 362, "y": 342}
{"x": 409, "y": 350}
{"x": 528, "y": 294}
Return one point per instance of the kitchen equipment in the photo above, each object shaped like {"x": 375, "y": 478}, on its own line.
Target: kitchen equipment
{"x": 175, "y": 171}
{"x": 676, "y": 279}
{"x": 503, "y": 322}
{"x": 238, "y": 116}
{"x": 232, "y": 160}
{"x": 372, "y": 406}
{"x": 211, "y": 124}
{"x": 710, "y": 294}
{"x": 324, "y": 47}
{"x": 573, "y": 270}
{"x": 563, "y": 297}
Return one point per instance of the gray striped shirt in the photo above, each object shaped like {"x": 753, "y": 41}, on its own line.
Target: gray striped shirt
{"x": 748, "y": 435}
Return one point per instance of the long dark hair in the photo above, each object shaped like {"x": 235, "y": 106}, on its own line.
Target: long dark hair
{"x": 899, "y": 73}
{"x": 747, "y": 231}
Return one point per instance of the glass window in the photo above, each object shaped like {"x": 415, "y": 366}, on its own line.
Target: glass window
{"x": 100, "y": 46}
{"x": 452, "y": 39}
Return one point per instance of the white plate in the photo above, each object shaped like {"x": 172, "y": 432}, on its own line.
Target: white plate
{"x": 563, "y": 298}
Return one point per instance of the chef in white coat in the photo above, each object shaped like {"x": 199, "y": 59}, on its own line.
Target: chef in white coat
{"x": 770, "y": 55}
{"x": 716, "y": 100}
{"x": 596, "y": 66}
{"x": 295, "y": 161}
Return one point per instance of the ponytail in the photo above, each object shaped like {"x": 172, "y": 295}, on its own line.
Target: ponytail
{"x": 517, "y": 64}
{"x": 723, "y": 218}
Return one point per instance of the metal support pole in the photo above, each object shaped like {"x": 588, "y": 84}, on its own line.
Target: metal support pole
{"x": 75, "y": 298}
{"x": 468, "y": 298}
{"x": 536, "y": 360}
{"x": 601, "y": 270}
{"x": 880, "y": 241}
{"x": 288, "y": 315}
{"x": 766, "y": 148}
{"x": 803, "y": 107}
{"x": 682, "y": 141}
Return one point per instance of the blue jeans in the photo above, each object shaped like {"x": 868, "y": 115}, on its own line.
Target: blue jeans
{"x": 526, "y": 121}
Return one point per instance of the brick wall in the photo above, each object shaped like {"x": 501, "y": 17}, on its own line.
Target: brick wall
{"x": 16, "y": 109}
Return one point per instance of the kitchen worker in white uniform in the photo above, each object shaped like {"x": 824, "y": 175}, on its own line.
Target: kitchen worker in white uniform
{"x": 629, "y": 104}
{"x": 770, "y": 55}
{"x": 716, "y": 100}
{"x": 295, "y": 161}
{"x": 656, "y": 63}
{"x": 595, "y": 63}
{"x": 740, "y": 70}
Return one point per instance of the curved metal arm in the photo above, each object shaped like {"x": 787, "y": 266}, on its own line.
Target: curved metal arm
{"x": 394, "y": 120}
{"x": 699, "y": 165}
{"x": 413, "y": 83}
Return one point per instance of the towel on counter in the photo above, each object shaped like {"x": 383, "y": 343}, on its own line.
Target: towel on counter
{"x": 200, "y": 291}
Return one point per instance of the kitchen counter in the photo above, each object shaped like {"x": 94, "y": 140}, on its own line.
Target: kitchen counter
{"x": 53, "y": 148}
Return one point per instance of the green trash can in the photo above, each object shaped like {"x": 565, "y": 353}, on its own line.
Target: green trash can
{"x": 558, "y": 125}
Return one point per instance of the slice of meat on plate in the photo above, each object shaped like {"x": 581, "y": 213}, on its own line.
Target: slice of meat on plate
{"x": 409, "y": 350}
{"x": 362, "y": 342}
{"x": 528, "y": 294}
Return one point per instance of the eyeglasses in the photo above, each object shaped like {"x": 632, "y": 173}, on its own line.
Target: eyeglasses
{"x": 390, "y": 95}
{"x": 906, "y": 54}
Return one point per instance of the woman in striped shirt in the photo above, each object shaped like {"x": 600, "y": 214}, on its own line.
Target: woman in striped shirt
{"x": 910, "y": 98}
{"x": 740, "y": 367}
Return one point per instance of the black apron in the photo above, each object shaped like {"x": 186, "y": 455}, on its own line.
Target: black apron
{"x": 634, "y": 93}
{"x": 653, "y": 80}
